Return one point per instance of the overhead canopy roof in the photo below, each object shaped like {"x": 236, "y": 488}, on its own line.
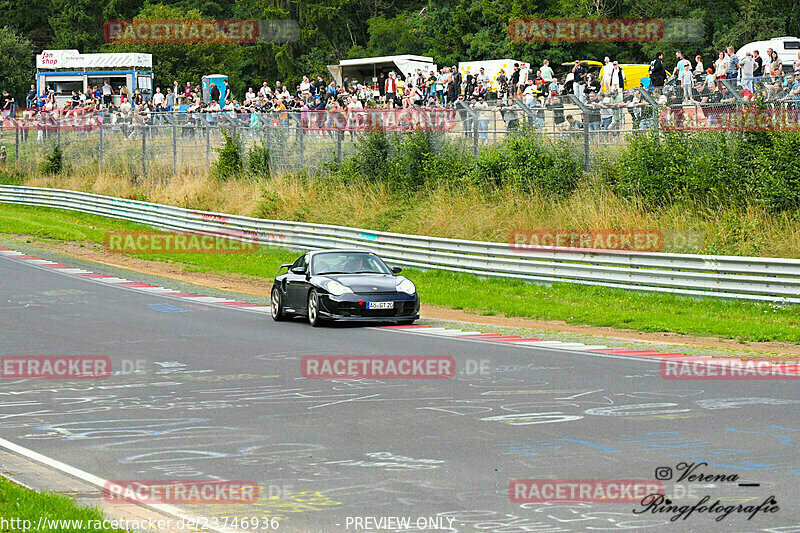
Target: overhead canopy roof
{"x": 373, "y": 65}
{"x": 55, "y": 59}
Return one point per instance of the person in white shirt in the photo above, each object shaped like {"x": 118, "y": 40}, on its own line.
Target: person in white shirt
{"x": 608, "y": 69}
{"x": 250, "y": 96}
{"x": 483, "y": 77}
{"x": 305, "y": 89}
{"x": 617, "y": 79}
{"x": 524, "y": 74}
{"x": 699, "y": 69}
{"x": 264, "y": 91}
{"x": 158, "y": 99}
{"x": 547, "y": 72}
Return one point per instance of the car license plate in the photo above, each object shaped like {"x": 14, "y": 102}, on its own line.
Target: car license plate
{"x": 380, "y": 305}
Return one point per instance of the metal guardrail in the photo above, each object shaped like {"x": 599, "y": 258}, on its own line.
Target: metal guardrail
{"x": 752, "y": 278}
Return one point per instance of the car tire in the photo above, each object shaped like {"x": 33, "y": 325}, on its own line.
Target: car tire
{"x": 276, "y": 306}
{"x": 313, "y": 309}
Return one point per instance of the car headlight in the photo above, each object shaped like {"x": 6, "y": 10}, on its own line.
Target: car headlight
{"x": 405, "y": 285}
{"x": 336, "y": 288}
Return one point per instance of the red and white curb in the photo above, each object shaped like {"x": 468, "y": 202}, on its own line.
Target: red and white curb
{"x": 412, "y": 329}
{"x": 128, "y": 284}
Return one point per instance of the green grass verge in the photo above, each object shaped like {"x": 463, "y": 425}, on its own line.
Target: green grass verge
{"x": 22, "y": 510}
{"x": 575, "y": 304}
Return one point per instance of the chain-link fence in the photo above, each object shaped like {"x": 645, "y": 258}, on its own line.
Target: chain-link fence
{"x": 163, "y": 144}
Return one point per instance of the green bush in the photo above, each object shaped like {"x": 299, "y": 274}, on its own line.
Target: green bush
{"x": 53, "y": 163}
{"x": 230, "y": 163}
{"x": 258, "y": 158}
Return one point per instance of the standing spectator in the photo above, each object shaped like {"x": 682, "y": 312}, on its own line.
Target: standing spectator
{"x": 578, "y": 80}
{"x": 158, "y": 100}
{"x": 758, "y": 71}
{"x": 170, "y": 100}
{"x": 617, "y": 80}
{"x": 699, "y": 70}
{"x": 30, "y": 100}
{"x": 776, "y": 66}
{"x": 524, "y": 75}
{"x": 547, "y": 72}
{"x": 215, "y": 93}
{"x": 390, "y": 89}
{"x": 453, "y": 89}
{"x": 3, "y": 157}
{"x": 107, "y": 92}
{"x": 502, "y": 87}
{"x": 721, "y": 66}
{"x": 481, "y": 109}
{"x": 10, "y": 104}
{"x": 733, "y": 64}
{"x": 607, "y": 74}
{"x": 796, "y": 63}
{"x": 456, "y": 74}
{"x": 226, "y": 89}
{"x": 685, "y": 77}
{"x": 483, "y": 77}
{"x": 657, "y": 73}
{"x": 514, "y": 82}
{"x": 681, "y": 62}
{"x": 747, "y": 66}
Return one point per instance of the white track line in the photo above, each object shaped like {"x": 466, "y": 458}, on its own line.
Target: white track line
{"x": 102, "y": 483}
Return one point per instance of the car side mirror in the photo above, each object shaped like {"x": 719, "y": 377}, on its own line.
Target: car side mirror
{"x": 300, "y": 271}
{"x": 396, "y": 270}
{"x": 286, "y": 266}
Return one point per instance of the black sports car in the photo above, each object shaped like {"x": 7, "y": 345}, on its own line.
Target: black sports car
{"x": 343, "y": 285}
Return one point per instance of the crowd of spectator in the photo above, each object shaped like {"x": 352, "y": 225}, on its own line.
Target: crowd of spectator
{"x": 605, "y": 101}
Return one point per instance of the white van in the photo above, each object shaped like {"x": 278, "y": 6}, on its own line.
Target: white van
{"x": 787, "y": 48}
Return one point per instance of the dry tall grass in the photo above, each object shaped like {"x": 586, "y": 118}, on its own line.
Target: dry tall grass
{"x": 448, "y": 211}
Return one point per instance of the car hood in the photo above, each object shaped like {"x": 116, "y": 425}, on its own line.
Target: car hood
{"x": 367, "y": 283}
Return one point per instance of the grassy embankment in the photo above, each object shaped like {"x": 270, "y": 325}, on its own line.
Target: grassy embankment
{"x": 574, "y": 304}
{"x": 24, "y": 510}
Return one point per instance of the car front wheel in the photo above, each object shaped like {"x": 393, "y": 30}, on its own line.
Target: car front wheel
{"x": 313, "y": 309}
{"x": 276, "y": 306}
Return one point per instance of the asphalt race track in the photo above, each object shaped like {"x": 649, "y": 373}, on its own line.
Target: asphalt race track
{"x": 218, "y": 394}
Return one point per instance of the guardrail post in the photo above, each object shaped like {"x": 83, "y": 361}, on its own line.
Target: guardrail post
{"x": 587, "y": 160}
{"x": 144, "y": 153}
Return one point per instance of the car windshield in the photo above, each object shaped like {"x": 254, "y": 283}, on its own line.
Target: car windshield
{"x": 348, "y": 263}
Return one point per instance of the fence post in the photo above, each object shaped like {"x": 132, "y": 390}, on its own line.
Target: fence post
{"x": 144, "y": 153}
{"x": 208, "y": 145}
{"x": 339, "y": 135}
{"x": 174, "y": 150}
{"x": 16, "y": 147}
{"x": 100, "y": 150}
{"x": 587, "y": 159}
{"x": 58, "y": 134}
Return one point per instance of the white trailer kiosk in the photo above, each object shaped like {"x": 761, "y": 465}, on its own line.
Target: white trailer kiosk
{"x": 65, "y": 71}
{"x": 367, "y": 70}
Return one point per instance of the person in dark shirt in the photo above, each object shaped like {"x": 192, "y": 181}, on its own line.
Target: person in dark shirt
{"x": 514, "y": 80}
{"x": 758, "y": 71}
{"x": 658, "y": 76}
